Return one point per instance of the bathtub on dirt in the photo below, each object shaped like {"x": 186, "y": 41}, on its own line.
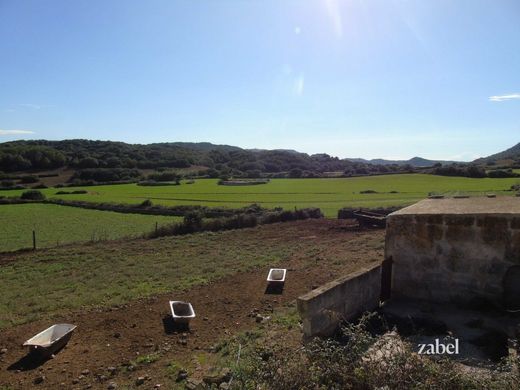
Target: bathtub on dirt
{"x": 51, "y": 339}
{"x": 276, "y": 276}
{"x": 182, "y": 312}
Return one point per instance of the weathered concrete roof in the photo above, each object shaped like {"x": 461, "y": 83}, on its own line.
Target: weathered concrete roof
{"x": 476, "y": 205}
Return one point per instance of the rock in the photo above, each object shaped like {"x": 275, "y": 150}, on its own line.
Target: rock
{"x": 259, "y": 318}
{"x": 85, "y": 372}
{"x": 3, "y": 351}
{"x": 112, "y": 370}
{"x": 130, "y": 367}
{"x": 117, "y": 335}
{"x": 139, "y": 381}
{"x": 102, "y": 378}
{"x": 193, "y": 384}
{"x": 182, "y": 375}
{"x": 81, "y": 377}
{"x": 224, "y": 386}
{"x": 39, "y": 379}
{"x": 223, "y": 375}
{"x": 75, "y": 381}
{"x": 112, "y": 386}
{"x": 157, "y": 386}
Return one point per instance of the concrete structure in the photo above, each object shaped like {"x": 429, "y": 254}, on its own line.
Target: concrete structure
{"x": 343, "y": 299}
{"x": 455, "y": 250}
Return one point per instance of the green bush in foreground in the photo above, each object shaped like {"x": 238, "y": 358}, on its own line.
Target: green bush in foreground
{"x": 352, "y": 362}
{"x": 33, "y": 195}
{"x": 193, "y": 222}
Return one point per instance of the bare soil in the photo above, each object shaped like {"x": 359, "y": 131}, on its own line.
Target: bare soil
{"x": 108, "y": 340}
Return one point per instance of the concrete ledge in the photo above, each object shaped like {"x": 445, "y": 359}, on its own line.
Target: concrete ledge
{"x": 343, "y": 299}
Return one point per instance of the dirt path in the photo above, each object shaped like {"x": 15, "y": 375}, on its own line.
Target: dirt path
{"x": 113, "y": 337}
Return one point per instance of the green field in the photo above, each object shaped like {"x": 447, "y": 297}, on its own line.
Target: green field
{"x": 55, "y": 280}
{"x": 57, "y": 225}
{"x": 328, "y": 194}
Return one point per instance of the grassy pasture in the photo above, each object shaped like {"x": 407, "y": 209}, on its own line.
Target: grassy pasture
{"x": 52, "y": 281}
{"x": 55, "y": 225}
{"x": 328, "y": 194}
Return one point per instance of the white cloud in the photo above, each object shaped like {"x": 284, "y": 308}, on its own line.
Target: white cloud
{"x": 15, "y": 132}
{"x": 501, "y": 98}
{"x": 33, "y": 106}
{"x": 297, "y": 30}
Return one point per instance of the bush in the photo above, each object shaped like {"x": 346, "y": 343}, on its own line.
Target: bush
{"x": 499, "y": 174}
{"x": 76, "y": 192}
{"x": 165, "y": 176}
{"x": 353, "y": 360}
{"x": 29, "y": 179}
{"x": 193, "y": 222}
{"x": 7, "y": 183}
{"x": 33, "y": 195}
{"x": 105, "y": 175}
{"x": 146, "y": 203}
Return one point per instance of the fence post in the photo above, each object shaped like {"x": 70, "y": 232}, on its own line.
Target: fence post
{"x": 155, "y": 227}
{"x": 34, "y": 240}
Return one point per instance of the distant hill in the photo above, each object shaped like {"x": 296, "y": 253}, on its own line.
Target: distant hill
{"x": 204, "y": 146}
{"x": 217, "y": 160}
{"x": 512, "y": 153}
{"x": 417, "y": 162}
{"x": 108, "y": 161}
{"x": 275, "y": 150}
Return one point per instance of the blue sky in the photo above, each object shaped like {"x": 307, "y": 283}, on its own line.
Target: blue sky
{"x": 394, "y": 79}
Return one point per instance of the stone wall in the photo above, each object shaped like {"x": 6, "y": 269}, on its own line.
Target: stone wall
{"x": 343, "y": 299}
{"x": 452, "y": 257}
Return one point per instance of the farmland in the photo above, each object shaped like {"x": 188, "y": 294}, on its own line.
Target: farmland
{"x": 58, "y": 225}
{"x": 35, "y": 284}
{"x": 122, "y": 288}
{"x": 328, "y": 194}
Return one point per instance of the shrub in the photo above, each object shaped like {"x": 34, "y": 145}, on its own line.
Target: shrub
{"x": 33, "y": 195}
{"x": 146, "y": 203}
{"x": 165, "y": 176}
{"x": 7, "y": 183}
{"x": 29, "y": 179}
{"x": 105, "y": 175}
{"x": 76, "y": 192}
{"x": 193, "y": 222}
{"x": 353, "y": 360}
{"x": 499, "y": 173}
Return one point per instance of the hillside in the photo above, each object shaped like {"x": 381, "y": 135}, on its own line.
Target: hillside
{"x": 417, "y": 162}
{"x": 512, "y": 153}
{"x": 213, "y": 160}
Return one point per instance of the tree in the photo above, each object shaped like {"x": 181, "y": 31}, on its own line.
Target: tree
{"x": 295, "y": 173}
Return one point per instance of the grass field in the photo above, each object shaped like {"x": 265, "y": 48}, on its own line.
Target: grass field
{"x": 55, "y": 225}
{"x": 36, "y": 284}
{"x": 328, "y": 194}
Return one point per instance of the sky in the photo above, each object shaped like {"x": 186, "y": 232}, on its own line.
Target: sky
{"x": 374, "y": 79}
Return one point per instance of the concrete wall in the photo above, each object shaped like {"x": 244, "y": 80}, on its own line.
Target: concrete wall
{"x": 457, "y": 257}
{"x": 324, "y": 308}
